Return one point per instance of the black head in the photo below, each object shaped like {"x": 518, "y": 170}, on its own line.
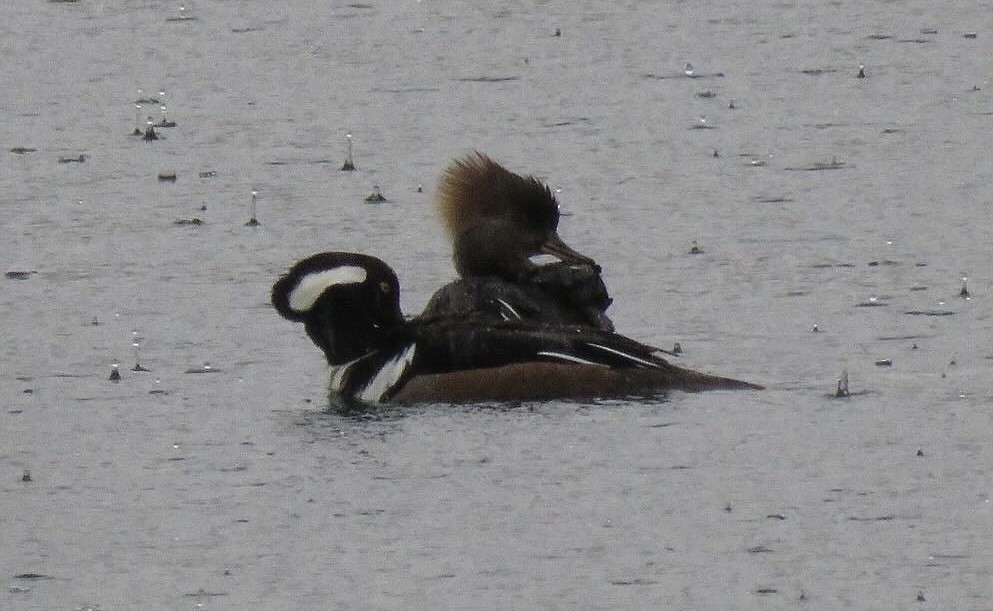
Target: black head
{"x": 349, "y": 303}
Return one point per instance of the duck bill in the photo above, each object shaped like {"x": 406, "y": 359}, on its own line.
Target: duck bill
{"x": 556, "y": 247}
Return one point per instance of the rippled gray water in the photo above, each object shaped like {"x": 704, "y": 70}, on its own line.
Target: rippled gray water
{"x": 234, "y": 489}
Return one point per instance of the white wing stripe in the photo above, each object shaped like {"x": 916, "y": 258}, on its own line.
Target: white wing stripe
{"x": 629, "y": 357}
{"x": 567, "y": 357}
{"x": 509, "y": 309}
{"x": 387, "y": 377}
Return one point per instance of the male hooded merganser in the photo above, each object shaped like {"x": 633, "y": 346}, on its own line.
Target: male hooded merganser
{"x": 349, "y": 304}
{"x": 497, "y": 221}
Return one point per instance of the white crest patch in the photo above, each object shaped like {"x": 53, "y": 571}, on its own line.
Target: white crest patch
{"x": 313, "y": 285}
{"x": 387, "y": 377}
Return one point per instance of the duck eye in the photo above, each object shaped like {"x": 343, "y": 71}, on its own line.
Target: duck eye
{"x": 384, "y": 286}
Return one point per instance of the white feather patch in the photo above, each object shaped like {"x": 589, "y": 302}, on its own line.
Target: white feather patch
{"x": 568, "y": 357}
{"x": 509, "y": 309}
{"x": 312, "y": 286}
{"x": 387, "y": 377}
{"x": 629, "y": 357}
{"x": 337, "y": 375}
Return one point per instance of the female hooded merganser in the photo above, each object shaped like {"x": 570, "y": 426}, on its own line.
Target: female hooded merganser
{"x": 349, "y": 304}
{"x": 497, "y": 221}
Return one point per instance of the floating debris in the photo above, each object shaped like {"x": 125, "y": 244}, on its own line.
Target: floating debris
{"x": 165, "y": 121}
{"x": 205, "y": 593}
{"x": 633, "y": 582}
{"x": 32, "y": 576}
{"x": 18, "y": 274}
{"x": 150, "y": 132}
{"x": 167, "y": 177}
{"x": 140, "y": 101}
{"x": 929, "y": 313}
{"x": 183, "y": 15}
{"x": 205, "y": 368}
{"x": 349, "y": 165}
{"x": 190, "y": 221}
{"x": 487, "y": 79}
{"x": 376, "y": 197}
{"x": 21, "y": 150}
{"x": 683, "y": 74}
{"x": 158, "y": 390}
{"x": 137, "y": 119}
{"x": 884, "y": 363}
{"x": 136, "y": 346}
{"x": 80, "y": 159}
{"x": 819, "y": 166}
{"x": 253, "y": 221}
{"x": 706, "y": 94}
{"x": 701, "y": 123}
{"x": 842, "y": 390}
{"x": 872, "y": 302}
{"x": 207, "y": 174}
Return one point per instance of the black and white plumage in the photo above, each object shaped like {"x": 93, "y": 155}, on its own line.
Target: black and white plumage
{"x": 349, "y": 304}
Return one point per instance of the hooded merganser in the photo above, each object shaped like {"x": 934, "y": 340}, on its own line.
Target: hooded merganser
{"x": 556, "y": 294}
{"x": 349, "y": 304}
{"x": 498, "y": 220}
